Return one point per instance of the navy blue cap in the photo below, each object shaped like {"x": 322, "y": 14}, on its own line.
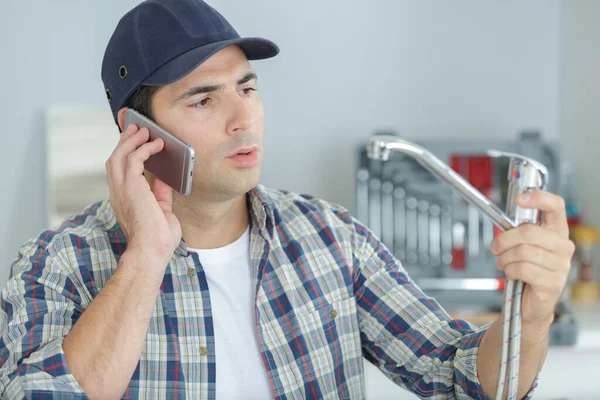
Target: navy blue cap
{"x": 161, "y": 41}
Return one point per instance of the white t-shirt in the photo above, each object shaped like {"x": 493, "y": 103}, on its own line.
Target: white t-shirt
{"x": 240, "y": 372}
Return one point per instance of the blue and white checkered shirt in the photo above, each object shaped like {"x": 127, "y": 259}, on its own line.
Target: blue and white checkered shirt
{"x": 328, "y": 295}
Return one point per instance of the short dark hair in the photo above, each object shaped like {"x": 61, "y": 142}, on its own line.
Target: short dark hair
{"x": 141, "y": 100}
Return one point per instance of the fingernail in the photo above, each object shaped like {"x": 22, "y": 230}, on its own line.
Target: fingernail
{"x": 526, "y": 197}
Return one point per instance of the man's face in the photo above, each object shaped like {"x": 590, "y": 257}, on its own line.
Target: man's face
{"x": 217, "y": 110}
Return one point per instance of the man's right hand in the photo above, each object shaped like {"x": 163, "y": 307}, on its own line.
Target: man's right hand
{"x": 144, "y": 213}
{"x": 104, "y": 346}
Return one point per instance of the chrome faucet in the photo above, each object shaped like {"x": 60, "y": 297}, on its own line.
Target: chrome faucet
{"x": 524, "y": 174}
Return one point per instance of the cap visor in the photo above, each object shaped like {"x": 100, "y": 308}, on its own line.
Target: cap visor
{"x": 180, "y": 66}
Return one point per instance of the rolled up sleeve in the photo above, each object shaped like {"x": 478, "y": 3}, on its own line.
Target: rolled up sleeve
{"x": 39, "y": 305}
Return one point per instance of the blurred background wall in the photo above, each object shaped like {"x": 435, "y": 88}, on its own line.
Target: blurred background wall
{"x": 423, "y": 68}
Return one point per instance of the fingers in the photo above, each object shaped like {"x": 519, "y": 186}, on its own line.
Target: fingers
{"x": 135, "y": 160}
{"x": 529, "y": 254}
{"x": 553, "y": 206}
{"x": 534, "y": 235}
{"x": 163, "y": 194}
{"x": 130, "y": 140}
{"x": 121, "y": 161}
{"x": 128, "y": 145}
{"x": 130, "y": 130}
{"x": 535, "y": 276}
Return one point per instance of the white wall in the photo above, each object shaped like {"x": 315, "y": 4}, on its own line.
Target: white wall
{"x": 50, "y": 52}
{"x": 424, "y": 68}
{"x": 580, "y": 103}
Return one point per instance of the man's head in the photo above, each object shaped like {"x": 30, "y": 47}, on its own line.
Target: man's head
{"x": 180, "y": 63}
{"x": 217, "y": 110}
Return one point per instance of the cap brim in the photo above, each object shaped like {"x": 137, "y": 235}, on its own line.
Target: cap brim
{"x": 177, "y": 68}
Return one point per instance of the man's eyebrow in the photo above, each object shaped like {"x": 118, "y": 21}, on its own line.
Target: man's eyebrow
{"x": 212, "y": 88}
{"x": 199, "y": 90}
{"x": 247, "y": 78}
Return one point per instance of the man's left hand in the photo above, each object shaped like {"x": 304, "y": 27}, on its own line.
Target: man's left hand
{"x": 539, "y": 255}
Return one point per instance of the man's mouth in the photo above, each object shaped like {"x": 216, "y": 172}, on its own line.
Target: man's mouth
{"x": 245, "y": 151}
{"x": 246, "y": 158}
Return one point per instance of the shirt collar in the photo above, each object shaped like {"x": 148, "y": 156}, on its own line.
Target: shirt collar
{"x": 260, "y": 206}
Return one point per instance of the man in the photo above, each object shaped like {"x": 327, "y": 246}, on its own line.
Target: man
{"x": 238, "y": 291}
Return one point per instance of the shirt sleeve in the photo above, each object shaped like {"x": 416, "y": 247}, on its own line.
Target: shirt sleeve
{"x": 407, "y": 334}
{"x": 39, "y": 305}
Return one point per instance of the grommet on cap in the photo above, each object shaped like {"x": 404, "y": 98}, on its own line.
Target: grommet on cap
{"x": 108, "y": 95}
{"x": 123, "y": 71}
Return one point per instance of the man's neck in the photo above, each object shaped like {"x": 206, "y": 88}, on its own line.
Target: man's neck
{"x": 211, "y": 225}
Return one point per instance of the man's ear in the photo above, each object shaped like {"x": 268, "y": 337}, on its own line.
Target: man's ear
{"x": 121, "y": 118}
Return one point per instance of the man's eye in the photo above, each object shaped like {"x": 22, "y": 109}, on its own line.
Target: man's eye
{"x": 247, "y": 91}
{"x": 202, "y": 103}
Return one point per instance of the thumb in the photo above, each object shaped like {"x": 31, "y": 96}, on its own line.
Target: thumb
{"x": 163, "y": 194}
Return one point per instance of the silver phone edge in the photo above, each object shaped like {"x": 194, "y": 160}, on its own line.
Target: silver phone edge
{"x": 175, "y": 138}
{"x": 190, "y": 155}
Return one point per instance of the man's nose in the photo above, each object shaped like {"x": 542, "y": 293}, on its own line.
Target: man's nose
{"x": 242, "y": 117}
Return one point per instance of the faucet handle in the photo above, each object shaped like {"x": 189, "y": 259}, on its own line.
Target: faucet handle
{"x": 529, "y": 173}
{"x": 524, "y": 175}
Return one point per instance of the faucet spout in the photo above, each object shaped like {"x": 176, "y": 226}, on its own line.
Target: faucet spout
{"x": 380, "y": 146}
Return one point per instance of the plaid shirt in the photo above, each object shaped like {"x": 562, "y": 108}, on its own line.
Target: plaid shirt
{"x": 328, "y": 293}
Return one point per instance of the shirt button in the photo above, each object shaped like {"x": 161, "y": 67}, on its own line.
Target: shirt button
{"x": 333, "y": 314}
{"x": 203, "y": 351}
{"x": 191, "y": 272}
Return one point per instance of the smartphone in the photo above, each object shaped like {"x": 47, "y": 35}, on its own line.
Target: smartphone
{"x": 174, "y": 164}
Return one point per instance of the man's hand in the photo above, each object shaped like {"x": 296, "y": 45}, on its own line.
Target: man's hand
{"x": 539, "y": 255}
{"x": 104, "y": 346}
{"x": 144, "y": 214}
